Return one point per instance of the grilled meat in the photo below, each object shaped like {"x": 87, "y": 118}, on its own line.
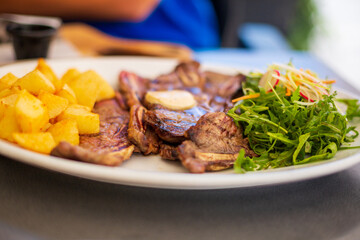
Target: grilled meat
{"x": 66, "y": 150}
{"x": 169, "y": 151}
{"x": 171, "y": 125}
{"x": 213, "y": 93}
{"x": 110, "y": 146}
{"x": 133, "y": 87}
{"x": 221, "y": 88}
{"x": 214, "y": 144}
{"x": 190, "y": 74}
{"x": 186, "y": 75}
{"x": 140, "y": 133}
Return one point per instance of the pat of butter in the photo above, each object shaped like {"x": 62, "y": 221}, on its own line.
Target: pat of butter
{"x": 174, "y": 99}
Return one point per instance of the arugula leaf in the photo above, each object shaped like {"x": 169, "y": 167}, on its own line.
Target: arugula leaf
{"x": 353, "y": 108}
{"x": 302, "y": 140}
{"x": 296, "y": 95}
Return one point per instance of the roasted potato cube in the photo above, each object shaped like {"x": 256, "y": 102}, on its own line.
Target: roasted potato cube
{"x": 78, "y": 106}
{"x": 8, "y": 123}
{"x": 70, "y": 74}
{"x": 7, "y": 101}
{"x": 86, "y": 89}
{"x": 54, "y": 104}
{"x": 31, "y": 113}
{"x": 39, "y": 142}
{"x": 6, "y": 92}
{"x": 87, "y": 122}
{"x": 65, "y": 130}
{"x": 46, "y": 127}
{"x": 68, "y": 93}
{"x": 34, "y": 82}
{"x": 9, "y": 91}
{"x": 7, "y": 81}
{"x": 105, "y": 90}
{"x": 45, "y": 69}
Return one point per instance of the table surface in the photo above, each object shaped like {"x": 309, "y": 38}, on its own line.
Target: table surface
{"x": 40, "y": 204}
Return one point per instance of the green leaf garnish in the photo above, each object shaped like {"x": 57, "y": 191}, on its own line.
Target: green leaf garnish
{"x": 283, "y": 132}
{"x": 353, "y": 108}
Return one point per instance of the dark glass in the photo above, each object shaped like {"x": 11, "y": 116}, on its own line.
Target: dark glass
{"x": 30, "y": 41}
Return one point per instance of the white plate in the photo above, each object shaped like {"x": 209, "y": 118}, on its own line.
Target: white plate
{"x": 153, "y": 171}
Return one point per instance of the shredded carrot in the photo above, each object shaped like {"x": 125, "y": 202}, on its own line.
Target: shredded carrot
{"x": 310, "y": 72}
{"x": 329, "y": 81}
{"x": 255, "y": 95}
{"x": 288, "y": 91}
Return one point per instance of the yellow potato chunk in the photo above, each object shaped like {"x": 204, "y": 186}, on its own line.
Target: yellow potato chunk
{"x": 39, "y": 142}
{"x": 45, "y": 69}
{"x": 9, "y": 91}
{"x": 46, "y": 127}
{"x": 7, "y": 81}
{"x": 8, "y": 123}
{"x": 54, "y": 104}
{"x": 86, "y": 89}
{"x": 87, "y": 122}
{"x": 68, "y": 93}
{"x": 65, "y": 130}
{"x": 7, "y": 101}
{"x": 105, "y": 90}
{"x": 34, "y": 82}
{"x": 70, "y": 74}
{"x": 77, "y": 106}
{"x": 31, "y": 113}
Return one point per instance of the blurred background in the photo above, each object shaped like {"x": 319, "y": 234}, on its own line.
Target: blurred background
{"x": 329, "y": 29}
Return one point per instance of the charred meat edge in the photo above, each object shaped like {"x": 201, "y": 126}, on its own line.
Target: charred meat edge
{"x": 140, "y": 133}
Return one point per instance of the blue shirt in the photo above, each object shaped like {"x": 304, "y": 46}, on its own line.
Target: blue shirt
{"x": 189, "y": 22}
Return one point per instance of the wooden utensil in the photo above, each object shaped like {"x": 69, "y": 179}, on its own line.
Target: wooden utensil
{"x": 91, "y": 41}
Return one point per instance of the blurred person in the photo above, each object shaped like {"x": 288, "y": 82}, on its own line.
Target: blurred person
{"x": 188, "y": 22}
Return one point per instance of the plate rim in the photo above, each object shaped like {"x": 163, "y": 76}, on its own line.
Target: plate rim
{"x": 170, "y": 180}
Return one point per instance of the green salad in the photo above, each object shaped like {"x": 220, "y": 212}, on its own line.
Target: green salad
{"x": 290, "y": 118}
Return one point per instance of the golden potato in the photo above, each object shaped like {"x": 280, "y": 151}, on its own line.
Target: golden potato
{"x": 105, "y": 90}
{"x": 68, "y": 93}
{"x": 9, "y": 91}
{"x": 65, "y": 130}
{"x": 34, "y": 82}
{"x": 8, "y": 123}
{"x": 31, "y": 113}
{"x": 45, "y": 69}
{"x": 87, "y": 121}
{"x": 70, "y": 74}
{"x": 7, "y": 101}
{"x": 45, "y": 127}
{"x": 6, "y": 92}
{"x": 78, "y": 106}
{"x": 39, "y": 142}
{"x": 7, "y": 81}
{"x": 54, "y": 104}
{"x": 85, "y": 89}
